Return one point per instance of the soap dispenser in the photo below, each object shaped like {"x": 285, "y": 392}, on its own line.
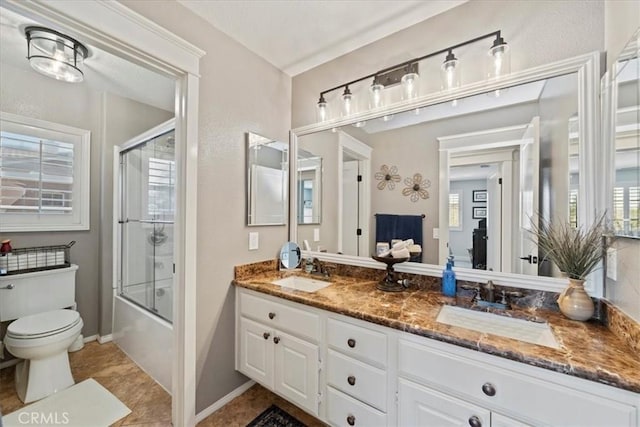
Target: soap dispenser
{"x": 449, "y": 281}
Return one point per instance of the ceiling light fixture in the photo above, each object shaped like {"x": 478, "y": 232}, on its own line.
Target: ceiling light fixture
{"x": 408, "y": 76}
{"x": 55, "y": 55}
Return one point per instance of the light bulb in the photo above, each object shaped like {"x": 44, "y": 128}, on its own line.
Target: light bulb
{"x": 375, "y": 95}
{"x": 347, "y": 101}
{"x": 450, "y": 72}
{"x": 410, "y": 84}
{"x": 499, "y": 59}
{"x": 323, "y": 114}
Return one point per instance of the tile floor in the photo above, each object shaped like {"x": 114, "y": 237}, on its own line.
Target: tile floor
{"x": 149, "y": 403}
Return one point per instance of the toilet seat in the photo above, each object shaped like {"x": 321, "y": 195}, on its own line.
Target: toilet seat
{"x": 43, "y": 325}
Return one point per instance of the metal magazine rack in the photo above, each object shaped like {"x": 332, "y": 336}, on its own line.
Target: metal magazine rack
{"x": 37, "y": 258}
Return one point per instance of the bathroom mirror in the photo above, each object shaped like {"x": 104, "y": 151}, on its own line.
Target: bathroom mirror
{"x": 267, "y": 180}
{"x": 485, "y": 158}
{"x": 290, "y": 255}
{"x": 309, "y": 187}
{"x": 624, "y": 132}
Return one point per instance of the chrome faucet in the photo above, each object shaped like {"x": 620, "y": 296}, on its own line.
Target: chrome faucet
{"x": 490, "y": 288}
{"x": 319, "y": 268}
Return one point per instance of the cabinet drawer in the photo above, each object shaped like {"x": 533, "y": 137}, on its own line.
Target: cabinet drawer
{"x": 355, "y": 341}
{"x": 281, "y": 316}
{"x": 541, "y": 401}
{"x": 344, "y": 411}
{"x": 357, "y": 379}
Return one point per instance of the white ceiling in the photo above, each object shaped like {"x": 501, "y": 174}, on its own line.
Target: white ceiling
{"x": 103, "y": 71}
{"x": 297, "y": 35}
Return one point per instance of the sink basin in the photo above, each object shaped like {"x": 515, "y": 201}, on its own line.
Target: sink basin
{"x": 303, "y": 284}
{"x": 518, "y": 329}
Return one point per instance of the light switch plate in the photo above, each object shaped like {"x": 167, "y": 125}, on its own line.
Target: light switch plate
{"x": 316, "y": 234}
{"x": 612, "y": 264}
{"x": 254, "y": 240}
{"x": 436, "y": 233}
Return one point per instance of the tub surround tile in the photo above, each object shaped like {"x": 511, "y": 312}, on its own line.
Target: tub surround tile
{"x": 588, "y": 350}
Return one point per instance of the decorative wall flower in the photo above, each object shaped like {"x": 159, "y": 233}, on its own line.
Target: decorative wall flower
{"x": 388, "y": 176}
{"x": 416, "y": 187}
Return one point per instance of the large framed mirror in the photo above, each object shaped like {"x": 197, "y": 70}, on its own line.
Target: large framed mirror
{"x": 267, "y": 180}
{"x": 482, "y": 160}
{"x": 622, "y": 93}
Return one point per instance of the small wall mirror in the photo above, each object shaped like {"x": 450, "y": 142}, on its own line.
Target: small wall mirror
{"x": 267, "y": 180}
{"x": 290, "y": 255}
{"x": 309, "y": 184}
{"x": 624, "y": 131}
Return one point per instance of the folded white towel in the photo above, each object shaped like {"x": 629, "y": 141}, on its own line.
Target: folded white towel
{"x": 415, "y": 249}
{"x": 385, "y": 253}
{"x": 403, "y": 244}
{"x": 400, "y": 253}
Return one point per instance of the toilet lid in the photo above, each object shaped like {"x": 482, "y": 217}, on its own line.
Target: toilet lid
{"x": 43, "y": 323}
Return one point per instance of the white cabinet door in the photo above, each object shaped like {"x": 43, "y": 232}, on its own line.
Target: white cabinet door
{"x": 296, "y": 370}
{"x": 420, "y": 406}
{"x": 498, "y": 420}
{"x": 256, "y": 352}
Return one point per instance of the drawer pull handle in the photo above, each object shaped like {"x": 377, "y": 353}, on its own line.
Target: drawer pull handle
{"x": 272, "y": 315}
{"x": 266, "y": 335}
{"x": 351, "y": 420}
{"x": 489, "y": 389}
{"x": 351, "y": 342}
{"x": 351, "y": 380}
{"x": 276, "y": 340}
{"x": 475, "y": 421}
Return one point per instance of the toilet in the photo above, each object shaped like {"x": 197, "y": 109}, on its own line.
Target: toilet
{"x": 42, "y": 329}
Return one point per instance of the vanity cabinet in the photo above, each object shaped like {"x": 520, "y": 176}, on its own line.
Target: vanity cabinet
{"x": 349, "y": 372}
{"x": 270, "y": 353}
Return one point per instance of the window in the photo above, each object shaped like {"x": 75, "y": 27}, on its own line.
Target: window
{"x": 455, "y": 211}
{"x": 44, "y": 175}
{"x": 626, "y": 210}
{"x": 162, "y": 181}
{"x": 573, "y": 208}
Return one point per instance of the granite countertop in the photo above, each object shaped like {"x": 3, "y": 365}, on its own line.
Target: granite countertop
{"x": 588, "y": 350}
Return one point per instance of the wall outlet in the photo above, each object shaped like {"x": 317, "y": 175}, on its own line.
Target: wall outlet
{"x": 316, "y": 234}
{"x": 436, "y": 233}
{"x": 612, "y": 264}
{"x": 254, "y": 240}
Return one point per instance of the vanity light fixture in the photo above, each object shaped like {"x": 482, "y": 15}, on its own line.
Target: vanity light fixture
{"x": 407, "y": 74}
{"x": 55, "y": 54}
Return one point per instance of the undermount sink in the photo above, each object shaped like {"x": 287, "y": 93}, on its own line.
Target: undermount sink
{"x": 508, "y": 327}
{"x": 304, "y": 284}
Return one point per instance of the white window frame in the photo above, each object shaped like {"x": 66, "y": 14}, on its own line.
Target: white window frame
{"x": 80, "y": 138}
{"x": 460, "y": 226}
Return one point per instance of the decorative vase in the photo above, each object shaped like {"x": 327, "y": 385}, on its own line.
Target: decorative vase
{"x": 574, "y": 301}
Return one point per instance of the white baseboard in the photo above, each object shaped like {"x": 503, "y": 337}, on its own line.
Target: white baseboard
{"x": 100, "y": 339}
{"x": 105, "y": 338}
{"x": 223, "y": 401}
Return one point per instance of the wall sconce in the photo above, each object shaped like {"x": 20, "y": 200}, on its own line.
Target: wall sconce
{"x": 407, "y": 74}
{"x": 55, "y": 55}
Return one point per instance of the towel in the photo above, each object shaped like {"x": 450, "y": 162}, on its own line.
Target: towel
{"x": 403, "y": 227}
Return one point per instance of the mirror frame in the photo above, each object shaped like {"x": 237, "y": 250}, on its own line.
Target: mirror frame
{"x": 587, "y": 67}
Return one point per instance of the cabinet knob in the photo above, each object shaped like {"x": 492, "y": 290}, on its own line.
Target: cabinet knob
{"x": 351, "y": 420}
{"x": 272, "y": 315}
{"x": 475, "y": 421}
{"x": 351, "y": 380}
{"x": 276, "y": 340}
{"x": 351, "y": 342}
{"x": 489, "y": 389}
{"x": 266, "y": 335}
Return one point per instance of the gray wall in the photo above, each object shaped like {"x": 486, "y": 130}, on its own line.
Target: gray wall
{"x": 30, "y": 94}
{"x": 239, "y": 92}
{"x": 622, "y": 18}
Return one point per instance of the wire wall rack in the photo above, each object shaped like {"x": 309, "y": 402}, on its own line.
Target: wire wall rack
{"x": 37, "y": 258}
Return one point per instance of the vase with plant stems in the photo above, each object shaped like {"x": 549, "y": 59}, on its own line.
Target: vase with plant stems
{"x": 576, "y": 251}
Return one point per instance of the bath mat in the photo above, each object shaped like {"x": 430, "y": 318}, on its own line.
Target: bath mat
{"x": 86, "y": 404}
{"x": 273, "y": 416}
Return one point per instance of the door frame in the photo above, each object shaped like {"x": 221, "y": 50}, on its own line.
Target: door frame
{"x": 115, "y": 28}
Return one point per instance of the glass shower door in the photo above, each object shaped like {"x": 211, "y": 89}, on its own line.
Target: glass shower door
{"x": 146, "y": 224}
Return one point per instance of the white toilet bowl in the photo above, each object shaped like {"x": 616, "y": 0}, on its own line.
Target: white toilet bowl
{"x": 42, "y": 341}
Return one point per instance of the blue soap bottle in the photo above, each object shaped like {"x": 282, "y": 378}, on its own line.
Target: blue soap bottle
{"x": 449, "y": 281}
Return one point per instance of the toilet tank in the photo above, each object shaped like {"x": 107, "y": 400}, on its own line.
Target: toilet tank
{"x": 37, "y": 292}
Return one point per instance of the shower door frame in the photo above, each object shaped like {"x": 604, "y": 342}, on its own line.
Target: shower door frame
{"x": 121, "y": 31}
{"x": 118, "y": 205}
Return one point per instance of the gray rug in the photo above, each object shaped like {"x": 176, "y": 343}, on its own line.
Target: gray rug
{"x": 273, "y": 416}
